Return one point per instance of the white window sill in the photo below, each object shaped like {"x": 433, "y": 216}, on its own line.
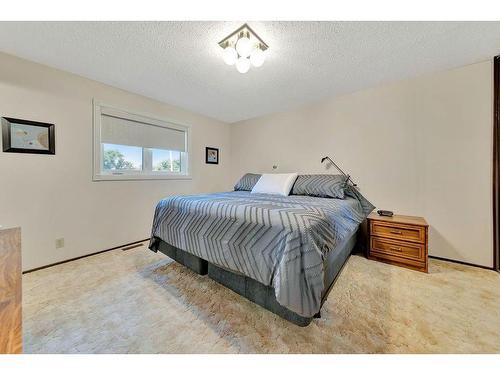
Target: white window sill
{"x": 136, "y": 177}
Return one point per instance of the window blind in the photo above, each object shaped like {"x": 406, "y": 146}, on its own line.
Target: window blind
{"x": 117, "y": 130}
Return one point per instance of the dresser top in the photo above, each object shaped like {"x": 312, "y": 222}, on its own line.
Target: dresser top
{"x": 401, "y": 219}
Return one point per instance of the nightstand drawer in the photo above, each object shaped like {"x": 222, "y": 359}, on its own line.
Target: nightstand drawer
{"x": 398, "y": 231}
{"x": 401, "y": 249}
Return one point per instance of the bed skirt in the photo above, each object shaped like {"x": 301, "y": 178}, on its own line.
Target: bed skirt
{"x": 256, "y": 292}
{"x": 251, "y": 289}
{"x": 195, "y": 264}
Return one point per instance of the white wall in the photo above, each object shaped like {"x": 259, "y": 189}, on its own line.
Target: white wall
{"x": 418, "y": 147}
{"x": 53, "y": 196}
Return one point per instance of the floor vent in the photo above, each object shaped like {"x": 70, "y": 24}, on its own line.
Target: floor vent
{"x": 132, "y": 246}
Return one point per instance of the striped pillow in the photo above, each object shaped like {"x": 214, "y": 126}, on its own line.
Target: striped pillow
{"x": 247, "y": 182}
{"x": 320, "y": 185}
{"x": 366, "y": 206}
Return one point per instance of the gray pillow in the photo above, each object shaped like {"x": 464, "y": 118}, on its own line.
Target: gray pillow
{"x": 247, "y": 182}
{"x": 320, "y": 185}
{"x": 366, "y": 206}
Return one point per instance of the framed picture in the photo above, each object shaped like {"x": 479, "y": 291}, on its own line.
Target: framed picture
{"x": 26, "y": 136}
{"x": 211, "y": 155}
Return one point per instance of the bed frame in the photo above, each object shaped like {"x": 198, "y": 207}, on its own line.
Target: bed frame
{"x": 251, "y": 289}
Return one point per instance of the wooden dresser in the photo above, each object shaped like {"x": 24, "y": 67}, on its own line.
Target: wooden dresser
{"x": 10, "y": 291}
{"x": 399, "y": 240}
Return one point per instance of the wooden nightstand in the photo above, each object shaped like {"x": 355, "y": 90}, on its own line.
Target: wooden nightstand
{"x": 399, "y": 240}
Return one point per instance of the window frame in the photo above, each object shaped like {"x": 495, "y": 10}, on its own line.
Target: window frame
{"x": 99, "y": 175}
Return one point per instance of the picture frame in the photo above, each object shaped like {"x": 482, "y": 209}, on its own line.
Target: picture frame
{"x": 28, "y": 137}
{"x": 211, "y": 155}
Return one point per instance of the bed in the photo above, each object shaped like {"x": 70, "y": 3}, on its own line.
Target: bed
{"x": 282, "y": 252}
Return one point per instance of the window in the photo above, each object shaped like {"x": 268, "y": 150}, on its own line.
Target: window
{"x": 134, "y": 147}
{"x": 166, "y": 160}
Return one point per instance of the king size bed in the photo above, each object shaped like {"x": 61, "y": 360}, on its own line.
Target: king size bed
{"x": 281, "y": 252}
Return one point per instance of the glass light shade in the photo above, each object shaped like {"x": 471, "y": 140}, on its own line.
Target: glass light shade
{"x": 257, "y": 57}
{"x": 243, "y": 65}
{"x": 244, "y": 47}
{"x": 230, "y": 55}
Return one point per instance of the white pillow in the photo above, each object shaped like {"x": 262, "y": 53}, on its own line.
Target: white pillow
{"x": 276, "y": 183}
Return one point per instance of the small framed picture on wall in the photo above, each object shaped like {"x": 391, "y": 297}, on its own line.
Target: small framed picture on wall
{"x": 25, "y": 136}
{"x": 211, "y": 155}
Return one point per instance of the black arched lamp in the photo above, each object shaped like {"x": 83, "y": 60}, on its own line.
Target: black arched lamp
{"x": 348, "y": 178}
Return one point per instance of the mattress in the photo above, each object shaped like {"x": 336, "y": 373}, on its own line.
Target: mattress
{"x": 280, "y": 242}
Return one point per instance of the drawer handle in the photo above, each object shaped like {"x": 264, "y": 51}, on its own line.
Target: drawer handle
{"x": 396, "y": 232}
{"x": 395, "y": 248}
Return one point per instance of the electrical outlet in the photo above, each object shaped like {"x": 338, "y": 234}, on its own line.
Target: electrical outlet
{"x": 59, "y": 243}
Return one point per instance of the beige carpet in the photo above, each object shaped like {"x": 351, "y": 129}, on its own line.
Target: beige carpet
{"x": 136, "y": 301}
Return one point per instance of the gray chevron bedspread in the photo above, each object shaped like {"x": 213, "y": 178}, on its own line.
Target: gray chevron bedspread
{"x": 278, "y": 241}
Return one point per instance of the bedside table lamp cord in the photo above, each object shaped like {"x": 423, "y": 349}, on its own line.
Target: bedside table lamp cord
{"x": 348, "y": 177}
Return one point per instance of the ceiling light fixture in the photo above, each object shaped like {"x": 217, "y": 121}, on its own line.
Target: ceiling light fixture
{"x": 243, "y": 47}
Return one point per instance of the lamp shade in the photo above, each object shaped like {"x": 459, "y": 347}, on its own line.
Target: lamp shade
{"x": 230, "y": 55}
{"x": 243, "y": 65}
{"x": 257, "y": 57}
{"x": 244, "y": 46}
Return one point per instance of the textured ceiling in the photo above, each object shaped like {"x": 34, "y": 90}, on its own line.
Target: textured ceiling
{"x": 180, "y": 63}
